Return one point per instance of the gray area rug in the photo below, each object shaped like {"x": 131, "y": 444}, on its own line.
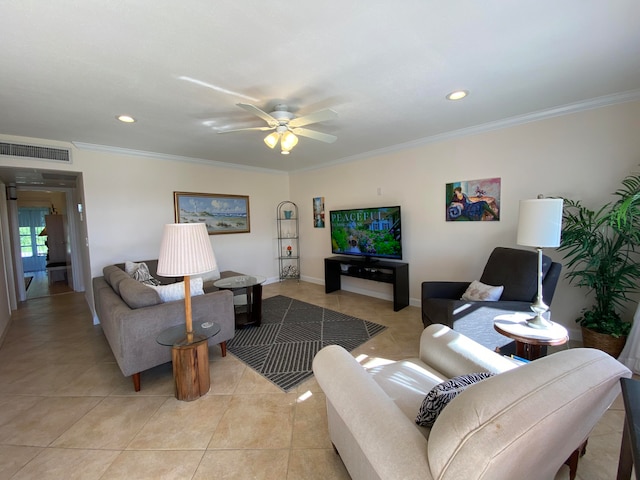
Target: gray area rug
{"x": 282, "y": 348}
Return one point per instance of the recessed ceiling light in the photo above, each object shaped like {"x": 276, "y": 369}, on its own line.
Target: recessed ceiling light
{"x": 457, "y": 95}
{"x": 126, "y": 118}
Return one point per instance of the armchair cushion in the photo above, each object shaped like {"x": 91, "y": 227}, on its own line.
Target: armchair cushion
{"x": 516, "y": 270}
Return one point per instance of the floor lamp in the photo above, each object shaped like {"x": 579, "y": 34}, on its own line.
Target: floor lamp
{"x": 186, "y": 250}
{"x": 539, "y": 226}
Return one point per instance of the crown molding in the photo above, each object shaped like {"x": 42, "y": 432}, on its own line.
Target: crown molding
{"x": 172, "y": 158}
{"x": 599, "y": 102}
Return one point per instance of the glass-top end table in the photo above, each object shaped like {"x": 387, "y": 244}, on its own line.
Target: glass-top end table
{"x": 252, "y": 284}
{"x": 239, "y": 281}
{"x": 177, "y": 336}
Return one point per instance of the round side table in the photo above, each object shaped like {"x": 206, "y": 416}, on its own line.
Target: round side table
{"x": 529, "y": 341}
{"x": 190, "y": 357}
{"x": 252, "y": 284}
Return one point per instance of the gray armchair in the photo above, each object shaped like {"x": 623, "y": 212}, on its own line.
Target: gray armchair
{"x": 512, "y": 268}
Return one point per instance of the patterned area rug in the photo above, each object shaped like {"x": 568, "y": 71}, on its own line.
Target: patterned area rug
{"x": 282, "y": 348}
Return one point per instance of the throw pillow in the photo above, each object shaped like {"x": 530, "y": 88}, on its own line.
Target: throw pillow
{"x": 479, "y": 292}
{"x": 140, "y": 272}
{"x": 440, "y": 396}
{"x": 175, "y": 291}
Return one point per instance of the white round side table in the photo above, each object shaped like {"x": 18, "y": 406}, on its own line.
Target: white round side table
{"x": 529, "y": 340}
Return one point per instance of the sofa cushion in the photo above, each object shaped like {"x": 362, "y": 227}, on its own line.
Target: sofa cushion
{"x": 480, "y": 292}
{"x": 175, "y": 291}
{"x": 136, "y": 294}
{"x": 440, "y": 396}
{"x": 114, "y": 276}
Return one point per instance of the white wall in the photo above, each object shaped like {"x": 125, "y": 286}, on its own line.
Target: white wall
{"x": 581, "y": 156}
{"x": 128, "y": 199}
{"x": 129, "y": 202}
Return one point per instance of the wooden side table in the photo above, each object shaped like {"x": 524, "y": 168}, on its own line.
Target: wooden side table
{"x": 529, "y": 341}
{"x": 190, "y": 358}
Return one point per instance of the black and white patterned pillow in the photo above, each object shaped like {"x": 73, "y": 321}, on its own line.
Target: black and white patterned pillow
{"x": 140, "y": 272}
{"x": 440, "y": 396}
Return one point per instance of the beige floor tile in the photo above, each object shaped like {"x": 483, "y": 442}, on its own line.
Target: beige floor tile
{"x": 60, "y": 386}
{"x": 310, "y": 422}
{"x": 316, "y": 464}
{"x": 251, "y": 382}
{"x": 256, "y": 422}
{"x": 46, "y": 379}
{"x": 13, "y": 458}
{"x": 181, "y": 425}
{"x": 13, "y": 406}
{"x": 112, "y": 424}
{"x": 243, "y": 464}
{"x": 154, "y": 465}
{"x": 225, "y": 374}
{"x": 98, "y": 380}
{"x": 45, "y": 420}
{"x": 70, "y": 464}
{"x": 155, "y": 381}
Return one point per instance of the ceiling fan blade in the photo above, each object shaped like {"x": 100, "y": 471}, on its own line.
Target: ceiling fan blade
{"x": 319, "y": 116}
{"x": 264, "y": 129}
{"x": 323, "y": 137}
{"x": 259, "y": 113}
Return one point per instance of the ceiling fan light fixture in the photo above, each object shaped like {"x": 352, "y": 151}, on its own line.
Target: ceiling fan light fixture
{"x": 272, "y": 139}
{"x": 285, "y": 152}
{"x": 289, "y": 140}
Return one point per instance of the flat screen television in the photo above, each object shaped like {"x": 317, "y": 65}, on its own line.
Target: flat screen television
{"x": 367, "y": 232}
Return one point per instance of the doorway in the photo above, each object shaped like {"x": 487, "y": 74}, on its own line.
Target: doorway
{"x": 44, "y": 243}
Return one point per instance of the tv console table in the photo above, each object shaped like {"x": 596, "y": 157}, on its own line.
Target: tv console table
{"x": 396, "y": 273}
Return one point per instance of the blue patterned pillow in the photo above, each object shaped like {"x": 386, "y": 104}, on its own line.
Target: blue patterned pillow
{"x": 440, "y": 396}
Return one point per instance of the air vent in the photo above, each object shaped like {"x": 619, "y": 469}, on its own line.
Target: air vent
{"x": 33, "y": 151}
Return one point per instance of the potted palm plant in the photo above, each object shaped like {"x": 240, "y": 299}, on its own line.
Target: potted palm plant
{"x": 601, "y": 250}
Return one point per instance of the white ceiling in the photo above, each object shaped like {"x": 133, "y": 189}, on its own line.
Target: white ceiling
{"x": 68, "y": 67}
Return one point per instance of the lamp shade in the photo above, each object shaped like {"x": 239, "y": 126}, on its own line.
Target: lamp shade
{"x": 185, "y": 250}
{"x": 540, "y": 222}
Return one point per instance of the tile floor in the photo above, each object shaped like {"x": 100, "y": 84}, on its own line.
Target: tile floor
{"x": 67, "y": 412}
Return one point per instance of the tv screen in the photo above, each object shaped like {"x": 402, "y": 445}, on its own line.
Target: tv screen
{"x": 366, "y": 232}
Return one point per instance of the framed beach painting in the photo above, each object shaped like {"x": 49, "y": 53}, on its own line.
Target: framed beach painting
{"x": 473, "y": 200}
{"x": 220, "y": 213}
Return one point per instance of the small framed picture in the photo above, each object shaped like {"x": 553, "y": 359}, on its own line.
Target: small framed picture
{"x": 220, "y": 213}
{"x": 318, "y": 212}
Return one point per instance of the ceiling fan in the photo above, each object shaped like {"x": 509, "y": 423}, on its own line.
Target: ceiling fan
{"x": 287, "y": 126}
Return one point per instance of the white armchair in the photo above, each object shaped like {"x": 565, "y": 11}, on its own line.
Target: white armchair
{"x": 524, "y": 422}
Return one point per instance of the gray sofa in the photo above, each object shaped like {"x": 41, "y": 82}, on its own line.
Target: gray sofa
{"x": 132, "y": 315}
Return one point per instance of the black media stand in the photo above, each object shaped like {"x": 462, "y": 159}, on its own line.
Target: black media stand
{"x": 396, "y": 273}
